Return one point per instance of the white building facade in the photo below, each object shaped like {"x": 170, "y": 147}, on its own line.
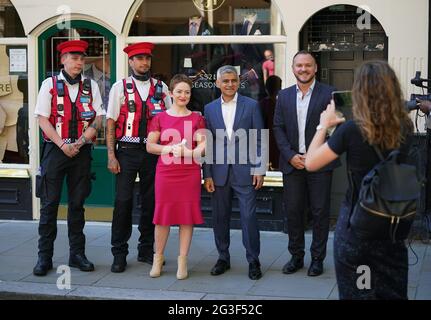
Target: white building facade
{"x": 341, "y": 34}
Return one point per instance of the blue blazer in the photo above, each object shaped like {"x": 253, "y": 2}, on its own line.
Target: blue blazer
{"x": 286, "y": 123}
{"x": 244, "y": 165}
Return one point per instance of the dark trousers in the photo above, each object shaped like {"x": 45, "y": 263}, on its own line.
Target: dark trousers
{"x": 387, "y": 263}
{"x": 316, "y": 187}
{"x": 55, "y": 165}
{"x": 134, "y": 161}
{"x": 222, "y": 208}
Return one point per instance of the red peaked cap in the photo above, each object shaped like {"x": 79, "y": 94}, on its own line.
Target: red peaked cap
{"x": 139, "y": 48}
{"x": 76, "y": 46}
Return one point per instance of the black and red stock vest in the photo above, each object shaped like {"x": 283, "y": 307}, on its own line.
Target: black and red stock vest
{"x": 71, "y": 119}
{"x": 135, "y": 114}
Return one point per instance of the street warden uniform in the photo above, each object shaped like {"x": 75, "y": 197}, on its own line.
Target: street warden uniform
{"x": 71, "y": 105}
{"x": 133, "y": 102}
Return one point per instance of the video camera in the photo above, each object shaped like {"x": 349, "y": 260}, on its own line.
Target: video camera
{"x": 413, "y": 104}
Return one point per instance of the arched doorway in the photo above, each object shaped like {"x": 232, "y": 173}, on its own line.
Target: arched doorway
{"x": 342, "y": 37}
{"x": 100, "y": 66}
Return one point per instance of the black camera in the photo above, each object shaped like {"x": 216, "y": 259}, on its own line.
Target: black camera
{"x": 413, "y": 104}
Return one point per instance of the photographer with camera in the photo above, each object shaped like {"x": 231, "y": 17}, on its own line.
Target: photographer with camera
{"x": 380, "y": 123}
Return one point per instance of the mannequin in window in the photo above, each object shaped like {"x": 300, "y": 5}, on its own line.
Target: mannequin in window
{"x": 249, "y": 57}
{"x": 249, "y": 25}
{"x": 190, "y": 58}
{"x": 194, "y": 60}
{"x": 11, "y": 100}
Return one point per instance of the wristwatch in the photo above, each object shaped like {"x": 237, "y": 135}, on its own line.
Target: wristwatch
{"x": 319, "y": 127}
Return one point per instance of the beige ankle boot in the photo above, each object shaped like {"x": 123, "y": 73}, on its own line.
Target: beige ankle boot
{"x": 182, "y": 268}
{"x": 156, "y": 270}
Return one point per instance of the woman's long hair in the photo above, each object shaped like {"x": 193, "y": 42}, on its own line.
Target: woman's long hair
{"x": 378, "y": 105}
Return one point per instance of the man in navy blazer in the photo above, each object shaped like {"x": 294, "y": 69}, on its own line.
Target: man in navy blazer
{"x": 235, "y": 165}
{"x": 296, "y": 119}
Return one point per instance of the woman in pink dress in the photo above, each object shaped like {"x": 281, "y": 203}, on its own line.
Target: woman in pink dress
{"x": 178, "y": 136}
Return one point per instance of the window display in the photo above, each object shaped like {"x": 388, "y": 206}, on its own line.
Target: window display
{"x": 200, "y": 64}
{"x": 166, "y": 18}
{"x": 10, "y": 23}
{"x": 14, "y": 139}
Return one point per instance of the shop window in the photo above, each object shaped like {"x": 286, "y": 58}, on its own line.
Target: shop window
{"x": 201, "y": 61}
{"x": 10, "y": 23}
{"x": 200, "y": 58}
{"x": 14, "y": 139}
{"x": 217, "y": 17}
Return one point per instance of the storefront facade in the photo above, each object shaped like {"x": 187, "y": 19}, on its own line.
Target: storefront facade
{"x": 341, "y": 36}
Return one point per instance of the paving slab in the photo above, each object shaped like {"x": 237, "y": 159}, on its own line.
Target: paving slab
{"x": 296, "y": 285}
{"x": 18, "y": 252}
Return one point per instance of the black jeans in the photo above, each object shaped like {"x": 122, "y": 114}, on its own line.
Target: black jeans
{"x": 55, "y": 165}
{"x": 134, "y": 160}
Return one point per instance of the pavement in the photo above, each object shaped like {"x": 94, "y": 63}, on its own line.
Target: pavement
{"x": 18, "y": 255}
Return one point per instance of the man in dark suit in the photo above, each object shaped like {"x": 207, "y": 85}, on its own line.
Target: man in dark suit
{"x": 235, "y": 125}
{"x": 250, "y": 56}
{"x": 296, "y": 119}
{"x": 197, "y": 60}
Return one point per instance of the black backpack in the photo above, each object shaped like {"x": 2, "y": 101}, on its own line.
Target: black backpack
{"x": 387, "y": 200}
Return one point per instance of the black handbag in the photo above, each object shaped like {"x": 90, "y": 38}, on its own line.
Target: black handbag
{"x": 387, "y": 201}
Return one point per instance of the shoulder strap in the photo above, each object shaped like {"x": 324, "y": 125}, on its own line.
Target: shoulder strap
{"x": 129, "y": 88}
{"x": 59, "y": 89}
{"x": 378, "y": 152}
{"x": 58, "y": 86}
{"x": 158, "y": 92}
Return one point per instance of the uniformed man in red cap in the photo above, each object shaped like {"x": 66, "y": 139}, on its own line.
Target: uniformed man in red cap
{"x": 69, "y": 108}
{"x": 133, "y": 102}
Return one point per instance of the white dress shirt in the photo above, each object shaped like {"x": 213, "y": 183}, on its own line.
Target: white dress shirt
{"x": 302, "y": 103}
{"x": 228, "y": 110}
{"x": 43, "y": 104}
{"x": 117, "y": 98}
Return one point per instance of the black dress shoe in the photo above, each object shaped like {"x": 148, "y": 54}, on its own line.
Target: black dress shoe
{"x": 295, "y": 263}
{"x": 254, "y": 272}
{"x": 220, "y": 267}
{"x": 316, "y": 268}
{"x": 42, "y": 267}
{"x": 119, "y": 264}
{"x": 81, "y": 262}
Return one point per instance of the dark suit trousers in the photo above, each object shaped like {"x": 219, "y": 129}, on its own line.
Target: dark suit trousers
{"x": 317, "y": 186}
{"x": 222, "y": 208}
